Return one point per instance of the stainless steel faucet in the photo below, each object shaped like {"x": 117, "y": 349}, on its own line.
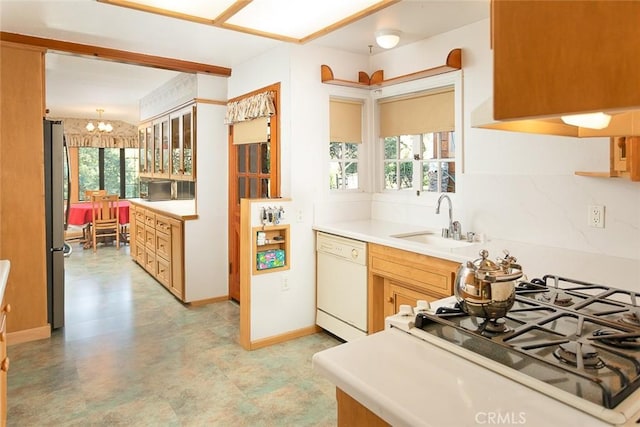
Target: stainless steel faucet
{"x": 454, "y": 231}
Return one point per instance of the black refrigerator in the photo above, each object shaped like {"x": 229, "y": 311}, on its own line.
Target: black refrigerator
{"x": 54, "y": 182}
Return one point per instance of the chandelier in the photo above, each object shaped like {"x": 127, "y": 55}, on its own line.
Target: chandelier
{"x": 102, "y": 126}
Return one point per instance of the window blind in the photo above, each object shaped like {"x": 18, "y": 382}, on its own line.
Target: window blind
{"x": 345, "y": 118}
{"x": 251, "y": 131}
{"x": 427, "y": 112}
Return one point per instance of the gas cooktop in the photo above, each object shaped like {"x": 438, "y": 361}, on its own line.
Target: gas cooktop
{"x": 575, "y": 341}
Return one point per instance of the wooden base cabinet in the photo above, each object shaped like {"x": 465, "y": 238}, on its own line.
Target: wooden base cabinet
{"x": 398, "y": 277}
{"x": 352, "y": 413}
{"x": 159, "y": 248}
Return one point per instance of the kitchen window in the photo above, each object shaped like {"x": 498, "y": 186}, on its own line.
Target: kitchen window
{"x": 424, "y": 162}
{"x": 344, "y": 146}
{"x": 417, "y": 130}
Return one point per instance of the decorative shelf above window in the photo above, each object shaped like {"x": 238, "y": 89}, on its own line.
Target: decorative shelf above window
{"x": 453, "y": 62}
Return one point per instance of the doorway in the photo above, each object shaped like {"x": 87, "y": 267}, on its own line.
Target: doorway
{"x": 254, "y": 172}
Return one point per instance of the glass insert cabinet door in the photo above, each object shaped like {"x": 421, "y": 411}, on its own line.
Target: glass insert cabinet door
{"x": 167, "y": 145}
{"x": 164, "y": 128}
{"x": 182, "y": 143}
{"x": 142, "y": 147}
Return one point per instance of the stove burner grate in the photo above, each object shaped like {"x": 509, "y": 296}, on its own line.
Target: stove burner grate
{"x": 493, "y": 327}
{"x": 631, "y": 318}
{"x": 579, "y": 355}
{"x": 556, "y": 298}
{"x": 616, "y": 339}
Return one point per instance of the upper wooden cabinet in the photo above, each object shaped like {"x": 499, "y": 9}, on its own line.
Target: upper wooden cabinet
{"x": 167, "y": 145}
{"x": 555, "y": 57}
{"x": 182, "y": 123}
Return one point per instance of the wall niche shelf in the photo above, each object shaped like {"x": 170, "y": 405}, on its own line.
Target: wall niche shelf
{"x": 272, "y": 253}
{"x": 376, "y": 80}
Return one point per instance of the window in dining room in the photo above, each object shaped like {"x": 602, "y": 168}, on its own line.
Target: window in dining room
{"x": 111, "y": 169}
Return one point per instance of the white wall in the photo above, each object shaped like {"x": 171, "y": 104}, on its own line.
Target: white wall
{"x": 520, "y": 186}
{"x": 304, "y": 114}
{"x": 514, "y": 186}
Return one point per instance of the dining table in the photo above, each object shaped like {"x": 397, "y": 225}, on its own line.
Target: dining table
{"x": 81, "y": 214}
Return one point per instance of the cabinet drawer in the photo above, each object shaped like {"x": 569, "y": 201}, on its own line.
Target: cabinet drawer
{"x": 162, "y": 224}
{"x": 421, "y": 272}
{"x": 150, "y": 239}
{"x": 434, "y": 280}
{"x": 139, "y": 215}
{"x": 150, "y": 262}
{"x": 139, "y": 231}
{"x": 163, "y": 271}
{"x": 150, "y": 220}
{"x": 163, "y": 245}
{"x": 139, "y": 254}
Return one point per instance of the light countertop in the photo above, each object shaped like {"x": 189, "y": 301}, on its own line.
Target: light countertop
{"x": 536, "y": 260}
{"x": 408, "y": 382}
{"x": 179, "y": 209}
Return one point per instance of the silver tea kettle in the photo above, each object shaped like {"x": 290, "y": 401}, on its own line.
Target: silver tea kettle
{"x": 485, "y": 288}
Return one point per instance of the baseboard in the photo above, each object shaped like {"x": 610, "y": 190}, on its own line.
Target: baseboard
{"x": 277, "y": 339}
{"x": 27, "y": 335}
{"x": 208, "y": 301}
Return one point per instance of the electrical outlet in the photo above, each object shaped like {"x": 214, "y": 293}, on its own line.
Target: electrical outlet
{"x": 596, "y": 216}
{"x": 299, "y": 215}
{"x": 285, "y": 283}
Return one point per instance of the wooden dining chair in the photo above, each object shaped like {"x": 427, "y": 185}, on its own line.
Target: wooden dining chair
{"x": 105, "y": 218}
{"x": 86, "y": 229}
{"x": 89, "y": 193}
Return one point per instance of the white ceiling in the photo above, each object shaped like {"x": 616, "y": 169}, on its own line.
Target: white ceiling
{"x": 77, "y": 86}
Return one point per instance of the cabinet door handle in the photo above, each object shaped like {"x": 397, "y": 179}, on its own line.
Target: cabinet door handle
{"x": 391, "y": 299}
{"x": 5, "y": 365}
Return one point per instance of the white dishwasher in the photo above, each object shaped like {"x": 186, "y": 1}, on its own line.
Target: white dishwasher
{"x": 341, "y": 283}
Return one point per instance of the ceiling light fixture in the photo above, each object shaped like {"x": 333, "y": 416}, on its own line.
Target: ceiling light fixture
{"x": 387, "y": 39}
{"x": 590, "y": 120}
{"x": 102, "y": 126}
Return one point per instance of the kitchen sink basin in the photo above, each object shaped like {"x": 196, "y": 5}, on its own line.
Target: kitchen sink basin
{"x": 432, "y": 239}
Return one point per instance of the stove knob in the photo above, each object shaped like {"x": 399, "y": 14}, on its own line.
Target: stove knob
{"x": 405, "y": 310}
{"x": 422, "y": 305}
{"x": 421, "y": 320}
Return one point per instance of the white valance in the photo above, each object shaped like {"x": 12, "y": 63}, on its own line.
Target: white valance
{"x": 249, "y": 108}
{"x": 124, "y": 135}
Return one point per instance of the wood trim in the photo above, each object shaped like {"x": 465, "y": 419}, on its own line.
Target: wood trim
{"x": 271, "y": 88}
{"x": 453, "y": 62}
{"x": 210, "y": 101}
{"x": 288, "y": 336}
{"x": 116, "y": 55}
{"x": 244, "y": 271}
{"x": 207, "y": 301}
{"x": 349, "y": 19}
{"x": 27, "y": 335}
{"x": 221, "y": 20}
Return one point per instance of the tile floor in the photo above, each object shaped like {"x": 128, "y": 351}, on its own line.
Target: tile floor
{"x": 131, "y": 354}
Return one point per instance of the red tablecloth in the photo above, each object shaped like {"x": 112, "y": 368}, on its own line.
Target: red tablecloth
{"x": 80, "y": 213}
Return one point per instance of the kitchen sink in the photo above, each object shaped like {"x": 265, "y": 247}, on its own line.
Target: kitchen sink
{"x": 432, "y": 239}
